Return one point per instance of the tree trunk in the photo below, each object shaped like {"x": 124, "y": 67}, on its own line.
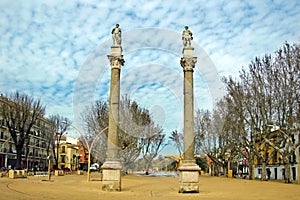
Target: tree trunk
{"x": 56, "y": 163}
{"x": 228, "y": 168}
{"x": 298, "y": 178}
{"x": 287, "y": 173}
{"x": 19, "y": 157}
{"x": 147, "y": 167}
{"x": 264, "y": 172}
{"x": 251, "y": 172}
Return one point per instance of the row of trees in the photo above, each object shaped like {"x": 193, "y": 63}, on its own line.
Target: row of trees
{"x": 139, "y": 136}
{"x": 264, "y": 96}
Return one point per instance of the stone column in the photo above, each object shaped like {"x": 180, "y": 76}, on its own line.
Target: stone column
{"x": 112, "y": 166}
{"x": 189, "y": 170}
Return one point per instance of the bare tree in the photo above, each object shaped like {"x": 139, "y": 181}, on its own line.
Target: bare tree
{"x": 286, "y": 96}
{"x": 134, "y": 123}
{"x": 138, "y": 134}
{"x": 21, "y": 113}
{"x": 95, "y": 119}
{"x": 177, "y": 139}
{"x": 59, "y": 128}
{"x": 250, "y": 113}
{"x": 213, "y": 138}
{"x": 153, "y": 142}
{"x": 268, "y": 92}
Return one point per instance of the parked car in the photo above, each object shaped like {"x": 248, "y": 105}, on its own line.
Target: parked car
{"x": 93, "y": 168}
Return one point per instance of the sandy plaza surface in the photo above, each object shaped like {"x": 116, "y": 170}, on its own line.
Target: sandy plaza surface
{"x": 143, "y": 188}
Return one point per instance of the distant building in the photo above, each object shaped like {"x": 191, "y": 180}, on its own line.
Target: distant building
{"x": 69, "y": 153}
{"x": 83, "y": 156}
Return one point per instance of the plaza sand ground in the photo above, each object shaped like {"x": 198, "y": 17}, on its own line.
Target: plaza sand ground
{"x": 143, "y": 188}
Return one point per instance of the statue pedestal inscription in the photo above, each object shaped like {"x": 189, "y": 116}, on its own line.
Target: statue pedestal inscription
{"x": 188, "y": 52}
{"x": 116, "y": 51}
{"x": 111, "y": 177}
{"x": 189, "y": 177}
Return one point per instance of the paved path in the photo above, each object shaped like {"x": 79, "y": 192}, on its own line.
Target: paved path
{"x": 144, "y": 188}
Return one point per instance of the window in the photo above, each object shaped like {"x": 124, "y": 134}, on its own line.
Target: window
{"x": 259, "y": 170}
{"x": 63, "y": 149}
{"x": 293, "y": 138}
{"x": 2, "y": 122}
{"x": 63, "y": 158}
{"x": 2, "y": 135}
{"x": 10, "y": 149}
{"x": 275, "y": 157}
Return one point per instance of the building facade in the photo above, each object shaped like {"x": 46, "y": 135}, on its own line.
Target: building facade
{"x": 34, "y": 155}
{"x": 69, "y": 153}
{"x": 275, "y": 166}
{"x": 83, "y": 156}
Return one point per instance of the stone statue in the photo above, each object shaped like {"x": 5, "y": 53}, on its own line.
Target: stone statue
{"x": 116, "y": 35}
{"x": 187, "y": 36}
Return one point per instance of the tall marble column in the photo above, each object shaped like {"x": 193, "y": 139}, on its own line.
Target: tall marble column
{"x": 189, "y": 170}
{"x": 112, "y": 166}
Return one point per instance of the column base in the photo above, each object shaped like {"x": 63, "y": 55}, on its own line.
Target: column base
{"x": 111, "y": 176}
{"x": 189, "y": 177}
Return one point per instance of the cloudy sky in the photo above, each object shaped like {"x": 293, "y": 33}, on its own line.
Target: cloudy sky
{"x": 57, "y": 50}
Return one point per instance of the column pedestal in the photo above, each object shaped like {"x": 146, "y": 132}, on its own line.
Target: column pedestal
{"x": 189, "y": 177}
{"x": 111, "y": 176}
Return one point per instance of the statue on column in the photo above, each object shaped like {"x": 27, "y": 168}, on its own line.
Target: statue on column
{"x": 187, "y": 36}
{"x": 116, "y": 35}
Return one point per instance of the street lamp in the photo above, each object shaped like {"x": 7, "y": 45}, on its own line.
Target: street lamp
{"x": 3, "y": 147}
{"x": 90, "y": 147}
{"x": 49, "y": 158}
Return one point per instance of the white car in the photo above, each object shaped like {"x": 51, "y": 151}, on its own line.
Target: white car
{"x": 93, "y": 168}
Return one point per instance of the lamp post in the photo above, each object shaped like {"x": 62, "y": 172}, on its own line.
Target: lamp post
{"x": 90, "y": 147}
{"x": 3, "y": 147}
{"x": 49, "y": 158}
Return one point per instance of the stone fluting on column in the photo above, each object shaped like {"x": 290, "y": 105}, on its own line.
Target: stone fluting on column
{"x": 112, "y": 166}
{"x": 189, "y": 170}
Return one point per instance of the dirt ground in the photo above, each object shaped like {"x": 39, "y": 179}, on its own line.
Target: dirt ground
{"x": 141, "y": 187}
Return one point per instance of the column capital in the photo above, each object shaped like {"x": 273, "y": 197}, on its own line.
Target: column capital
{"x": 116, "y": 61}
{"x": 188, "y": 64}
